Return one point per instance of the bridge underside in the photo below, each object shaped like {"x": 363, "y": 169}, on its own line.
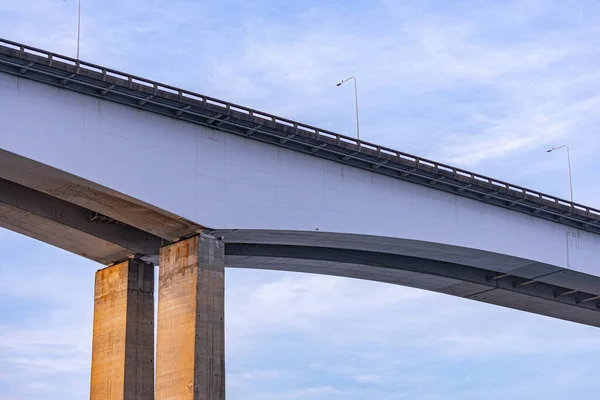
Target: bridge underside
{"x": 479, "y": 284}
{"x": 108, "y": 227}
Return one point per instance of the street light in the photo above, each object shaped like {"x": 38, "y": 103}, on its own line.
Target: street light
{"x": 569, "y": 162}
{"x": 78, "y": 26}
{"x": 355, "y": 100}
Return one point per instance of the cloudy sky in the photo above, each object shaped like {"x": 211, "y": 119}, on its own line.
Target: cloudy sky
{"x": 486, "y": 85}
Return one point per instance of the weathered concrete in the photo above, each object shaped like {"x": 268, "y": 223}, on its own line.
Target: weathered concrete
{"x": 123, "y": 339}
{"x": 190, "y": 353}
{"x": 78, "y": 218}
{"x": 90, "y": 195}
{"x": 60, "y": 235}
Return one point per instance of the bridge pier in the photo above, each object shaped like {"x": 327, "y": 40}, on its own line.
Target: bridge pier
{"x": 190, "y": 350}
{"x": 123, "y": 337}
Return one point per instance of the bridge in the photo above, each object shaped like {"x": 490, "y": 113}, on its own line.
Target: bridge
{"x": 131, "y": 173}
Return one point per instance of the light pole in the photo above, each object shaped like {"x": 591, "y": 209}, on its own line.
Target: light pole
{"x": 78, "y": 26}
{"x": 355, "y": 100}
{"x": 569, "y": 163}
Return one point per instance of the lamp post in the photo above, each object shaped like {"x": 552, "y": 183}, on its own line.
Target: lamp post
{"x": 355, "y": 100}
{"x": 78, "y": 26}
{"x": 569, "y": 163}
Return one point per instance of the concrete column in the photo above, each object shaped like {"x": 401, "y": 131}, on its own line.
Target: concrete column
{"x": 190, "y": 348}
{"x": 123, "y": 339}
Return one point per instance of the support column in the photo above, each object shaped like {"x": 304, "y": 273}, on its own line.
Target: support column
{"x": 190, "y": 348}
{"x": 123, "y": 338}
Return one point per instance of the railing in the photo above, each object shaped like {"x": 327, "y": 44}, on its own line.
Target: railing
{"x": 466, "y": 179}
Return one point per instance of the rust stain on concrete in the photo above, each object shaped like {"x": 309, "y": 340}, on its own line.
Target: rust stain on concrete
{"x": 123, "y": 336}
{"x": 191, "y": 336}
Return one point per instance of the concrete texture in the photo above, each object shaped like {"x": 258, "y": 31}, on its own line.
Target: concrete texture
{"x": 123, "y": 338}
{"x": 78, "y": 218}
{"x": 222, "y": 181}
{"x": 442, "y": 277}
{"x": 250, "y": 192}
{"x": 190, "y": 353}
{"x": 60, "y": 235}
{"x": 80, "y": 192}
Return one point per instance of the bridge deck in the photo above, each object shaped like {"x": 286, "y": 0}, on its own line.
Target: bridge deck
{"x": 105, "y": 83}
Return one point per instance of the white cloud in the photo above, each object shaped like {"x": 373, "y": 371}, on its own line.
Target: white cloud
{"x": 311, "y": 392}
{"x": 45, "y": 319}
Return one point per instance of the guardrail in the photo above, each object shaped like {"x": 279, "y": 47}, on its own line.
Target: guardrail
{"x": 234, "y": 118}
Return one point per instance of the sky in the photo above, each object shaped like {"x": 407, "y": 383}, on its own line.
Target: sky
{"x": 485, "y": 85}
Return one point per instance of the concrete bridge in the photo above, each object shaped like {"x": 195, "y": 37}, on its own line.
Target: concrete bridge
{"x": 130, "y": 173}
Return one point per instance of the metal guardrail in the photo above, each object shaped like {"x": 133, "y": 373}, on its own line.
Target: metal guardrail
{"x": 113, "y": 85}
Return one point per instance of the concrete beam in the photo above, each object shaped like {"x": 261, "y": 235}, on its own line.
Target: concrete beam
{"x": 123, "y": 338}
{"x": 61, "y": 236}
{"x": 72, "y": 216}
{"x": 190, "y": 352}
{"x": 92, "y": 196}
{"x": 526, "y": 294}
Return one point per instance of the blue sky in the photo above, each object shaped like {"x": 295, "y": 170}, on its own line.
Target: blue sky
{"x": 486, "y": 85}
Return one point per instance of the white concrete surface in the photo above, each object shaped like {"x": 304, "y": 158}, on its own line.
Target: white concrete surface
{"x": 226, "y": 182}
